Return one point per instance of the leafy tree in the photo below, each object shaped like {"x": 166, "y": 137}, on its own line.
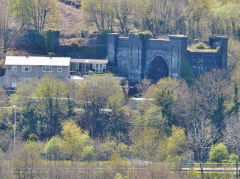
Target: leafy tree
{"x": 153, "y": 118}
{"x": 32, "y": 12}
{"x": 176, "y": 146}
{"x": 123, "y": 10}
{"x": 177, "y": 142}
{"x": 165, "y": 93}
{"x": 218, "y": 153}
{"x": 146, "y": 144}
{"x": 105, "y": 149}
{"x": 53, "y": 148}
{"x": 99, "y": 13}
{"x": 233, "y": 158}
{"x": 29, "y": 115}
{"x": 43, "y": 106}
{"x": 223, "y": 18}
{"x": 165, "y": 99}
{"x": 28, "y": 161}
{"x": 197, "y": 8}
{"x": 75, "y": 141}
{"x": 51, "y": 95}
{"x": 218, "y": 115}
{"x": 4, "y": 23}
{"x": 95, "y": 95}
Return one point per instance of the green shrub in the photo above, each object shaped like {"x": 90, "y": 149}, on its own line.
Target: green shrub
{"x": 233, "y": 158}
{"x": 53, "y": 148}
{"x": 218, "y": 153}
{"x": 202, "y": 45}
{"x": 143, "y": 35}
{"x": 196, "y": 40}
{"x": 33, "y": 137}
{"x": 74, "y": 44}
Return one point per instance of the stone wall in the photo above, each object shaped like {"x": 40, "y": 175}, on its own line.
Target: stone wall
{"x": 134, "y": 58}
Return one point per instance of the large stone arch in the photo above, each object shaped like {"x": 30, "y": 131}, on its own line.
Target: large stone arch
{"x": 157, "y": 68}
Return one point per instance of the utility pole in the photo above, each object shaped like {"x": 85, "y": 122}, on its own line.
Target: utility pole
{"x": 237, "y": 177}
{"x": 14, "y": 137}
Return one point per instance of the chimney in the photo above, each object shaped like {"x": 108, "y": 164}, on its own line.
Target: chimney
{"x": 50, "y": 54}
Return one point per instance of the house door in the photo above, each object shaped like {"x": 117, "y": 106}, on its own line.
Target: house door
{"x": 14, "y": 82}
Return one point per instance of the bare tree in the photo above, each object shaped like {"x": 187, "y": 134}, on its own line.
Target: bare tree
{"x": 201, "y": 135}
{"x": 212, "y": 92}
{"x": 99, "y": 13}
{"x": 33, "y": 12}
{"x": 123, "y": 12}
{"x": 4, "y": 16}
{"x": 231, "y": 135}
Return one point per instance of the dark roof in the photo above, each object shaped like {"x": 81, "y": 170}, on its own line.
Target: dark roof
{"x": 89, "y": 61}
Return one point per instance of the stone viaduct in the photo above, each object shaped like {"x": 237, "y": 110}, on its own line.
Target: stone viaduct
{"x": 157, "y": 58}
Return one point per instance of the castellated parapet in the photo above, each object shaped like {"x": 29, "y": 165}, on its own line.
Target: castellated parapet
{"x": 157, "y": 58}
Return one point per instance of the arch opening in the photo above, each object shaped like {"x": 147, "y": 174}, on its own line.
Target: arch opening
{"x": 158, "y": 69}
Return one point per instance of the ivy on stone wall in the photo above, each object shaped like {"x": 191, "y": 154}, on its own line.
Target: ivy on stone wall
{"x": 51, "y": 37}
{"x": 186, "y": 71}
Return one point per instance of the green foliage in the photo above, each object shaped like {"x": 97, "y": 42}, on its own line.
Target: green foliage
{"x": 31, "y": 12}
{"x": 50, "y": 91}
{"x": 28, "y": 161}
{"x": 21, "y": 10}
{"x": 99, "y": 13}
{"x": 202, "y": 45}
{"x": 143, "y": 35}
{"x": 53, "y": 148}
{"x": 146, "y": 144}
{"x": 233, "y": 158}
{"x": 186, "y": 71}
{"x": 74, "y": 44}
{"x": 177, "y": 142}
{"x": 75, "y": 141}
{"x": 218, "y": 153}
{"x": 88, "y": 152}
{"x": 154, "y": 119}
{"x": 42, "y": 106}
{"x": 98, "y": 51}
{"x": 51, "y": 37}
{"x": 119, "y": 176}
{"x": 106, "y": 148}
{"x": 33, "y": 137}
{"x": 165, "y": 99}
{"x": 219, "y": 114}
{"x": 99, "y": 92}
{"x": 176, "y": 146}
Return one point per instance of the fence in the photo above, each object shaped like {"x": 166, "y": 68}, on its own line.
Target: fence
{"x": 206, "y": 168}
{"x": 78, "y": 170}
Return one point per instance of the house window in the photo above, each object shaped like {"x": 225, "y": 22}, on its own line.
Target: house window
{"x": 47, "y": 69}
{"x": 99, "y": 68}
{"x": 26, "y": 68}
{"x": 59, "y": 69}
{"x": 14, "y": 68}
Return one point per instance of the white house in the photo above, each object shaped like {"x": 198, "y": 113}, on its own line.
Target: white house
{"x": 20, "y": 68}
